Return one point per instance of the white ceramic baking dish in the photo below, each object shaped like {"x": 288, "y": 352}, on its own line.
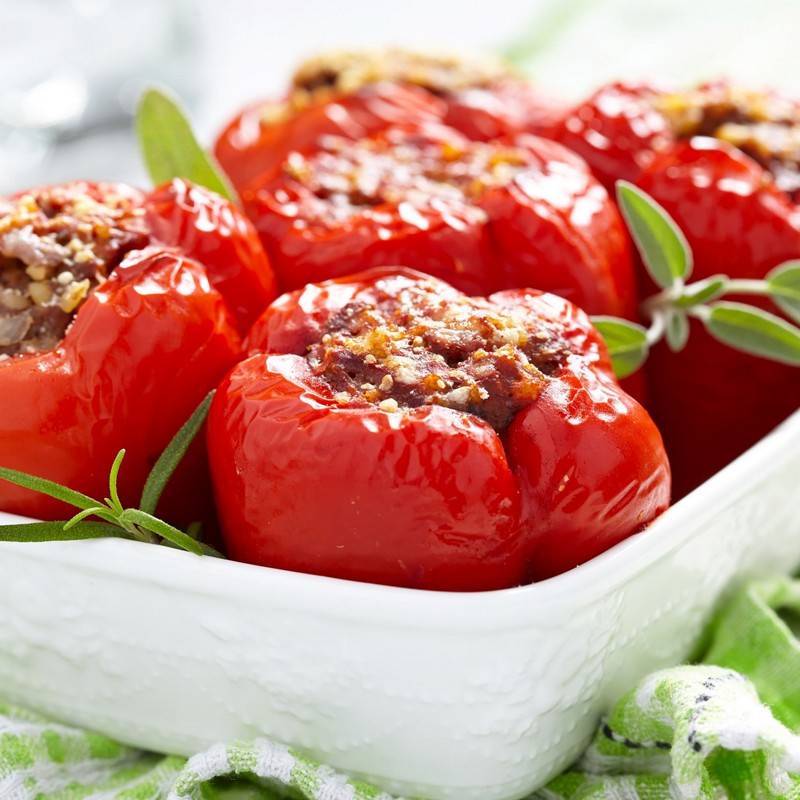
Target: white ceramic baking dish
{"x": 438, "y": 695}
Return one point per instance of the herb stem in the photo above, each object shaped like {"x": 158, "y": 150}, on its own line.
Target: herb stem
{"x": 666, "y": 255}
{"x": 658, "y": 326}
{"x": 657, "y": 304}
{"x": 747, "y": 286}
{"x": 700, "y": 312}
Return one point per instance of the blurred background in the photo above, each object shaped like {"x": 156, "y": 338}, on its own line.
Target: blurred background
{"x": 70, "y": 70}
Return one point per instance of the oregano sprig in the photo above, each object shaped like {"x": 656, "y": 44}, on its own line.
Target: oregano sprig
{"x": 667, "y": 256}
{"x": 112, "y": 518}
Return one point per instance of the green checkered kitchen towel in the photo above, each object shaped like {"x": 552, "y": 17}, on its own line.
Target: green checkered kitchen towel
{"x": 727, "y": 728}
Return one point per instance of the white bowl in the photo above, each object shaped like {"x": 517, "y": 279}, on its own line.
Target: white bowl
{"x": 440, "y": 695}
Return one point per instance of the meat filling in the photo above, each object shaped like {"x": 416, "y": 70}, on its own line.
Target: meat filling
{"x": 417, "y": 348}
{"x": 764, "y": 126}
{"x": 55, "y": 248}
{"x": 440, "y": 73}
{"x": 350, "y": 176}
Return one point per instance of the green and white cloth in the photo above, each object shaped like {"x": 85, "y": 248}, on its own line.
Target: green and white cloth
{"x": 727, "y": 728}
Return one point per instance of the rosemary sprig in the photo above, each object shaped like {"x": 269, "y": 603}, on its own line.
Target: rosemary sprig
{"x": 138, "y": 524}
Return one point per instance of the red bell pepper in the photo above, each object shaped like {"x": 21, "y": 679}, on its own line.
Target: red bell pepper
{"x": 111, "y": 334}
{"x": 483, "y": 216}
{"x": 399, "y": 432}
{"x": 209, "y": 229}
{"x": 739, "y": 217}
{"x": 358, "y": 94}
{"x": 617, "y": 131}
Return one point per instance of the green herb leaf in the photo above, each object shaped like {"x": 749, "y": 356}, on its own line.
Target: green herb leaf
{"x": 170, "y": 148}
{"x": 113, "y": 501}
{"x": 163, "y": 529}
{"x": 130, "y": 523}
{"x": 783, "y": 284}
{"x": 97, "y": 511}
{"x": 56, "y": 531}
{"x": 702, "y": 291}
{"x": 677, "y": 330}
{"x": 171, "y": 457}
{"x": 754, "y": 331}
{"x": 49, "y": 488}
{"x": 206, "y": 548}
{"x": 660, "y": 242}
{"x": 195, "y": 530}
{"x": 626, "y": 341}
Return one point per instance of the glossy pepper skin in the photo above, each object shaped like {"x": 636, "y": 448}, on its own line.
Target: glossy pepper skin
{"x": 505, "y": 108}
{"x": 358, "y": 94}
{"x": 482, "y": 216}
{"x": 429, "y": 496}
{"x": 621, "y": 128}
{"x": 738, "y": 223}
{"x": 617, "y": 131}
{"x": 211, "y": 230}
{"x": 139, "y": 355}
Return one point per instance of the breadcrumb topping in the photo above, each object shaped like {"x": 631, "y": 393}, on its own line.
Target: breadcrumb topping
{"x": 765, "y": 126}
{"x": 350, "y": 177}
{"x": 328, "y": 75}
{"x": 414, "y": 347}
{"x": 349, "y": 70}
{"x": 56, "y": 247}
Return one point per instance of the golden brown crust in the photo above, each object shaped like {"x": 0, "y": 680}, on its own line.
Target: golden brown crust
{"x": 352, "y": 176}
{"x": 418, "y": 348}
{"x": 326, "y": 76}
{"x": 441, "y": 73}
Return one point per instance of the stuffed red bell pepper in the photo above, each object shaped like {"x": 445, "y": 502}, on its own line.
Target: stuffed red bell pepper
{"x": 622, "y": 127}
{"x": 111, "y": 332}
{"x": 391, "y": 429}
{"x": 725, "y": 164}
{"x": 356, "y": 94}
{"x": 483, "y": 216}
